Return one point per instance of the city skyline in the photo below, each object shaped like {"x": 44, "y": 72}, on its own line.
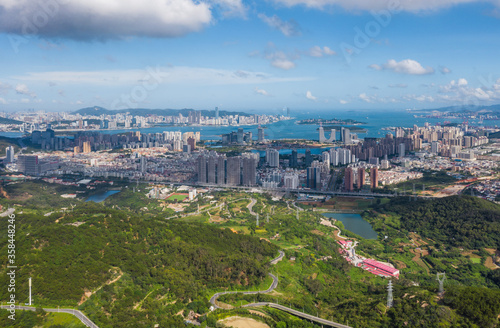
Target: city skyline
{"x": 238, "y": 55}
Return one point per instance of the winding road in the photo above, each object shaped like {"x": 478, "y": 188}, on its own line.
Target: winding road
{"x": 86, "y": 321}
{"x": 274, "y": 284}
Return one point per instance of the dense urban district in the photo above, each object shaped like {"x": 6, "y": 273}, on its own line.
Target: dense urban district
{"x": 171, "y": 229}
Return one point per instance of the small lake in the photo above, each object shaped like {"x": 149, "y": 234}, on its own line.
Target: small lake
{"x": 354, "y": 223}
{"x": 101, "y": 197}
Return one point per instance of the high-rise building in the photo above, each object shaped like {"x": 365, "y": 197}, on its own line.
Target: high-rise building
{"x": 211, "y": 173}
{"x": 249, "y": 171}
{"x": 325, "y": 157}
{"x": 291, "y": 181}
{"x": 361, "y": 177}
{"x": 401, "y": 150}
{"x": 191, "y": 142}
{"x": 28, "y": 164}
{"x": 313, "y": 177}
{"x": 216, "y": 113}
{"x": 347, "y": 136}
{"x": 374, "y": 177}
{"x": 9, "y": 152}
{"x": 349, "y": 179}
{"x": 239, "y": 136}
{"x": 144, "y": 163}
{"x": 202, "y": 169}
{"x": 233, "y": 171}
{"x": 309, "y": 158}
{"x": 272, "y": 157}
{"x": 86, "y": 147}
{"x": 334, "y": 157}
{"x": 435, "y": 147}
{"x": 260, "y": 134}
{"x": 294, "y": 161}
{"x": 221, "y": 170}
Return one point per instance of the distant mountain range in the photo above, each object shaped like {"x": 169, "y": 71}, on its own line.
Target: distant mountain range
{"x": 465, "y": 108}
{"x": 97, "y": 111}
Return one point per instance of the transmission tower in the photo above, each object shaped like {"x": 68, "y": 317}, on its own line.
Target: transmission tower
{"x": 257, "y": 219}
{"x": 297, "y": 214}
{"x": 413, "y": 188}
{"x": 390, "y": 299}
{"x": 267, "y": 217}
{"x": 441, "y": 277}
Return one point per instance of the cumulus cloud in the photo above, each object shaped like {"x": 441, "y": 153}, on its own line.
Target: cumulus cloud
{"x": 404, "y": 5}
{"x": 290, "y": 28}
{"x": 110, "y": 19}
{"x": 310, "y": 96}
{"x": 343, "y": 102}
{"x": 461, "y": 91}
{"x": 22, "y": 89}
{"x": 280, "y": 60}
{"x": 317, "y": 51}
{"x": 406, "y": 66}
{"x": 262, "y": 92}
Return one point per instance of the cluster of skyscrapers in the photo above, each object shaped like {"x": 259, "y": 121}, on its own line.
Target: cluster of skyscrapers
{"x": 217, "y": 169}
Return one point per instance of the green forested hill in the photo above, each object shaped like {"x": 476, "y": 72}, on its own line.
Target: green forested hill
{"x": 178, "y": 262}
{"x": 458, "y": 221}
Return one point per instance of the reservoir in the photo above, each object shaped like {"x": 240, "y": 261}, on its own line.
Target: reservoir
{"x": 355, "y": 224}
{"x": 101, "y": 197}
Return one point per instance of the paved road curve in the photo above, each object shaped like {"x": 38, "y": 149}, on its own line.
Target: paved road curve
{"x": 86, "y": 321}
{"x": 274, "y": 284}
{"x": 299, "y": 314}
{"x": 213, "y": 300}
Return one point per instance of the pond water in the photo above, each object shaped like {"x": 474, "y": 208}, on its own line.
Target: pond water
{"x": 101, "y": 197}
{"x": 355, "y": 224}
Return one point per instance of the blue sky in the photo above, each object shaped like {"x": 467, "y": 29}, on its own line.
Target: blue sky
{"x": 61, "y": 55}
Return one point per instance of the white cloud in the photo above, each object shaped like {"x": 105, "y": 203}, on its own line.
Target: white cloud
{"x": 280, "y": 60}
{"x": 329, "y": 51}
{"x": 406, "y": 66}
{"x": 317, "y": 51}
{"x": 343, "y": 102}
{"x": 262, "y": 92}
{"x": 231, "y": 8}
{"x": 96, "y": 19}
{"x": 404, "y": 5}
{"x": 366, "y": 98}
{"x": 158, "y": 75}
{"x": 290, "y": 28}
{"x": 22, "y": 89}
{"x": 4, "y": 88}
{"x": 310, "y": 96}
{"x": 461, "y": 91}
{"x": 445, "y": 70}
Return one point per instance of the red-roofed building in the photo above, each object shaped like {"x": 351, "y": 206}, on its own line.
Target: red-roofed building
{"x": 380, "y": 269}
{"x": 345, "y": 243}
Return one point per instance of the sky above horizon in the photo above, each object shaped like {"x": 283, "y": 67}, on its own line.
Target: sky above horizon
{"x": 62, "y": 55}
